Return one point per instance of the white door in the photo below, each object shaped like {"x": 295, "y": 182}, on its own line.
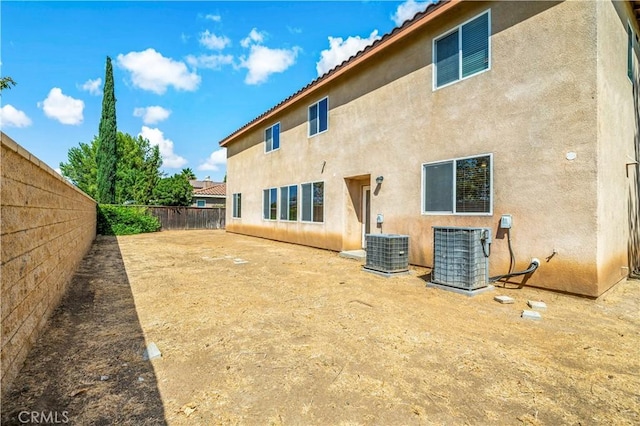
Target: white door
{"x": 366, "y": 213}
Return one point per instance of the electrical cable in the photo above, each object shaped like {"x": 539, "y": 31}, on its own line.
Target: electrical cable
{"x": 512, "y": 256}
{"x": 512, "y": 263}
{"x": 532, "y": 267}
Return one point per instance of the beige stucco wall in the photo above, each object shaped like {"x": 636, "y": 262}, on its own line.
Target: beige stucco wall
{"x": 47, "y": 227}
{"x": 537, "y": 103}
{"x": 617, "y": 128}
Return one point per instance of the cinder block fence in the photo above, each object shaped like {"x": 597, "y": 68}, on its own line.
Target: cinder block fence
{"x": 47, "y": 226}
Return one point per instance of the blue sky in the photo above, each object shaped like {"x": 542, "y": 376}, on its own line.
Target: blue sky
{"x": 186, "y": 74}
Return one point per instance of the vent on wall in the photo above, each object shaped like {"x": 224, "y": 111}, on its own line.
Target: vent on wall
{"x": 387, "y": 253}
{"x": 460, "y": 257}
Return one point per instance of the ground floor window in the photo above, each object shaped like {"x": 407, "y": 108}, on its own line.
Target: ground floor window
{"x": 201, "y": 203}
{"x": 459, "y": 186}
{"x": 289, "y": 202}
{"x": 237, "y": 205}
{"x": 313, "y": 202}
{"x": 270, "y": 204}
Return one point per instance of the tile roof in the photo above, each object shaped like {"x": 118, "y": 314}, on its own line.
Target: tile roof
{"x": 397, "y": 33}
{"x": 218, "y": 189}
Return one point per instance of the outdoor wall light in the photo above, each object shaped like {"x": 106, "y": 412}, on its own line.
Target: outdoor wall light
{"x": 379, "y": 179}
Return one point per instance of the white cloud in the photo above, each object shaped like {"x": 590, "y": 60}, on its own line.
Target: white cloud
{"x": 156, "y": 137}
{"x": 214, "y": 18}
{"x": 216, "y": 160}
{"x": 263, "y": 61}
{"x": 152, "y": 114}
{"x": 254, "y": 36}
{"x": 11, "y": 117}
{"x": 213, "y": 42}
{"x": 184, "y": 37}
{"x": 214, "y": 62}
{"x": 154, "y": 72}
{"x": 408, "y": 10}
{"x": 92, "y": 86}
{"x": 341, "y": 50}
{"x": 63, "y": 108}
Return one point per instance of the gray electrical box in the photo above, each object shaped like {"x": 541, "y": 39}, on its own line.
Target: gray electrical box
{"x": 505, "y": 221}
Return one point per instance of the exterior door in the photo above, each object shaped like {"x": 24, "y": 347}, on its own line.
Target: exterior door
{"x": 366, "y": 213}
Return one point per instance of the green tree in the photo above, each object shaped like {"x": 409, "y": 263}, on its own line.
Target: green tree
{"x": 6, "y": 83}
{"x": 138, "y": 169}
{"x": 189, "y": 173}
{"x": 173, "y": 191}
{"x": 82, "y": 169}
{"x": 107, "y": 155}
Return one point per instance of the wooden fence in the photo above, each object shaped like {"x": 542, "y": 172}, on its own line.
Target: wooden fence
{"x": 189, "y": 217}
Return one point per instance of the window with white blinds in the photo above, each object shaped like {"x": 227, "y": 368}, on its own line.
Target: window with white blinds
{"x": 460, "y": 186}
{"x": 463, "y": 51}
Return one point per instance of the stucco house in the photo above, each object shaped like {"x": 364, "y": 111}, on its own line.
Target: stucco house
{"x": 470, "y": 111}
{"x": 207, "y": 193}
{"x": 211, "y": 196}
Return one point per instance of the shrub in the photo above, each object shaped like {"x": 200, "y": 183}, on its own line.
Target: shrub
{"x": 125, "y": 220}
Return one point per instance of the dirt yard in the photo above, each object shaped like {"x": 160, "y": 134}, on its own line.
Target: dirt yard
{"x": 258, "y": 332}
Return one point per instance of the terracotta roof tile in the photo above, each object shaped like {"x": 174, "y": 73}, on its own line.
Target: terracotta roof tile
{"x": 219, "y": 189}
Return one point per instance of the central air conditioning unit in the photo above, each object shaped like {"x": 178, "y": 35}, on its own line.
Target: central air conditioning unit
{"x": 387, "y": 253}
{"x": 461, "y": 257}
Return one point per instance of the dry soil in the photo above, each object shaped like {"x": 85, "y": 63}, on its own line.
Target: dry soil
{"x": 260, "y": 332}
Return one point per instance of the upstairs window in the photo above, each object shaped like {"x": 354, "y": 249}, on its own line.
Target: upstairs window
{"x": 289, "y": 202}
{"x": 463, "y": 51}
{"x": 629, "y": 52}
{"x": 318, "y": 117}
{"x": 237, "y": 206}
{"x": 270, "y": 204}
{"x": 201, "y": 203}
{"x": 460, "y": 186}
{"x": 313, "y": 202}
{"x": 272, "y": 138}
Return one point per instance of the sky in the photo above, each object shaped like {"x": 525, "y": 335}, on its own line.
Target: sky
{"x": 186, "y": 74}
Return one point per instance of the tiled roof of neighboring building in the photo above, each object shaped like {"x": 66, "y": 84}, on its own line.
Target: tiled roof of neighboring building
{"x": 199, "y": 184}
{"x": 397, "y": 33}
{"x": 217, "y": 189}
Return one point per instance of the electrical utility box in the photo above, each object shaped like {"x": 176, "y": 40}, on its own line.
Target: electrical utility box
{"x": 505, "y": 221}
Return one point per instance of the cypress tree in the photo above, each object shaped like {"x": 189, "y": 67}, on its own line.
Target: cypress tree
{"x": 107, "y": 154}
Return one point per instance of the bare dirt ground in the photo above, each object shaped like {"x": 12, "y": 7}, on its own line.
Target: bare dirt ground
{"x": 260, "y": 332}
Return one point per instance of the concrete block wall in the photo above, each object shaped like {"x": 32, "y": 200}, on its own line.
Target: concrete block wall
{"x": 47, "y": 226}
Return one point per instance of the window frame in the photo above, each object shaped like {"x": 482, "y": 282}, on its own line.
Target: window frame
{"x": 270, "y": 192}
{"x": 201, "y": 201}
{"x": 458, "y": 28}
{"x": 236, "y": 205}
{"x": 266, "y": 150}
{"x": 454, "y": 182}
{"x": 286, "y": 207}
{"x": 301, "y": 204}
{"x": 318, "y": 131}
{"x": 631, "y": 37}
